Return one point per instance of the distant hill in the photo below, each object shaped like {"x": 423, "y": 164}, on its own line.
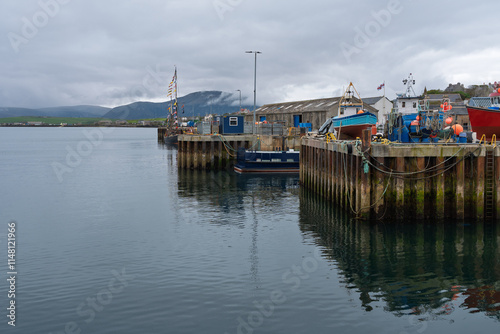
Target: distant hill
{"x": 195, "y": 104}
{"x": 15, "y": 112}
{"x": 138, "y": 110}
{"x": 76, "y": 111}
{"x": 71, "y": 111}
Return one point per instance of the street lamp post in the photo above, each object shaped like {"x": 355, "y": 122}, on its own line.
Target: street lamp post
{"x": 239, "y": 90}
{"x": 254, "y": 88}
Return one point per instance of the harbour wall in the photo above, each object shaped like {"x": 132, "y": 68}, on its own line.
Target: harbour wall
{"x": 161, "y": 133}
{"x": 399, "y": 181}
{"x": 218, "y": 152}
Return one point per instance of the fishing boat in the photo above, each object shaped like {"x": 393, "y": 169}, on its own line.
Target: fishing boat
{"x": 485, "y": 121}
{"x": 172, "y": 123}
{"x": 422, "y": 119}
{"x": 354, "y": 125}
{"x": 351, "y": 119}
{"x": 267, "y": 161}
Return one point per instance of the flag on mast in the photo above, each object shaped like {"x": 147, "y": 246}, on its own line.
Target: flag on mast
{"x": 173, "y": 84}
{"x": 381, "y": 86}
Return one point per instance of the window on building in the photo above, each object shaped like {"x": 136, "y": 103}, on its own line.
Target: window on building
{"x": 233, "y": 121}
{"x": 403, "y": 104}
{"x": 414, "y": 104}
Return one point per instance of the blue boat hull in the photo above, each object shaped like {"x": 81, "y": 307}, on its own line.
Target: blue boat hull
{"x": 267, "y": 162}
{"x": 354, "y": 125}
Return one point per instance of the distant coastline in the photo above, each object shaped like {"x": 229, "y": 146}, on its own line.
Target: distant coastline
{"x": 40, "y": 121}
{"x": 78, "y": 126}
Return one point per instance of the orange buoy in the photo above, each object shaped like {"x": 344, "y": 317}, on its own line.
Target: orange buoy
{"x": 449, "y": 120}
{"x": 360, "y": 111}
{"x": 418, "y": 118}
{"x": 498, "y": 90}
{"x": 457, "y": 128}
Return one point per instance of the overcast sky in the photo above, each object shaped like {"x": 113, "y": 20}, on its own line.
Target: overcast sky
{"x": 113, "y": 52}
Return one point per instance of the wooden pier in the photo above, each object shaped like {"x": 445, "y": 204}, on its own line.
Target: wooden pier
{"x": 162, "y": 131}
{"x": 218, "y": 152}
{"x": 396, "y": 181}
{"x": 210, "y": 152}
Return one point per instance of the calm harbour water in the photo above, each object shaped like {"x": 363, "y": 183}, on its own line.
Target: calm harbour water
{"x": 112, "y": 238}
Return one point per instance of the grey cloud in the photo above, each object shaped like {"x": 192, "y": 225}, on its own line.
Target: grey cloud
{"x": 99, "y": 52}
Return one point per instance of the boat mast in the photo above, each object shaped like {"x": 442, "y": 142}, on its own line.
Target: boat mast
{"x": 409, "y": 86}
{"x": 172, "y": 115}
{"x": 346, "y": 99}
{"x": 383, "y": 101}
{"x": 175, "y": 94}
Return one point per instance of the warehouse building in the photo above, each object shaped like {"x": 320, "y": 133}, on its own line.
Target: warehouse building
{"x": 292, "y": 114}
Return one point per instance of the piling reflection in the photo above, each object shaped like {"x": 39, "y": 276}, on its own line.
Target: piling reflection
{"x": 236, "y": 201}
{"x": 230, "y": 195}
{"x": 412, "y": 268}
{"x": 168, "y": 146}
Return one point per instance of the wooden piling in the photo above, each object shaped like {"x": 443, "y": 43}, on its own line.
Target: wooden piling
{"x": 210, "y": 152}
{"x": 400, "y": 181}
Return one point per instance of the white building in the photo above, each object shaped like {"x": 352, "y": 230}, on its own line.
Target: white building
{"x": 382, "y": 104}
{"x": 408, "y": 105}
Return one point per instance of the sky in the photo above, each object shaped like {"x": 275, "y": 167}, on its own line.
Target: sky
{"x": 115, "y": 52}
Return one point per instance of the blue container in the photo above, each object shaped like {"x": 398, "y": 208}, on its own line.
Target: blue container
{"x": 306, "y": 125}
{"x": 414, "y": 139}
{"x": 462, "y": 137}
{"x": 232, "y": 125}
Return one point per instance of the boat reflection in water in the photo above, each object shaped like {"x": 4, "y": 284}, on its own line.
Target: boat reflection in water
{"x": 424, "y": 269}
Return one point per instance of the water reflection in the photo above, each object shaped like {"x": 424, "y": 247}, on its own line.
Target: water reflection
{"x": 413, "y": 268}
{"x": 167, "y": 146}
{"x": 230, "y": 194}
{"x": 226, "y": 199}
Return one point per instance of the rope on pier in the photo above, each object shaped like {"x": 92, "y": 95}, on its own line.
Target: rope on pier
{"x": 344, "y": 163}
{"x": 400, "y": 174}
{"x": 394, "y": 173}
{"x": 229, "y": 148}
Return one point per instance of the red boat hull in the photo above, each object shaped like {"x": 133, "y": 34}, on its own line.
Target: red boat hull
{"x": 355, "y": 131}
{"x": 484, "y": 121}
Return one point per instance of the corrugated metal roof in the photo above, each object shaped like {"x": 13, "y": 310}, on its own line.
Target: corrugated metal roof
{"x": 306, "y": 106}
